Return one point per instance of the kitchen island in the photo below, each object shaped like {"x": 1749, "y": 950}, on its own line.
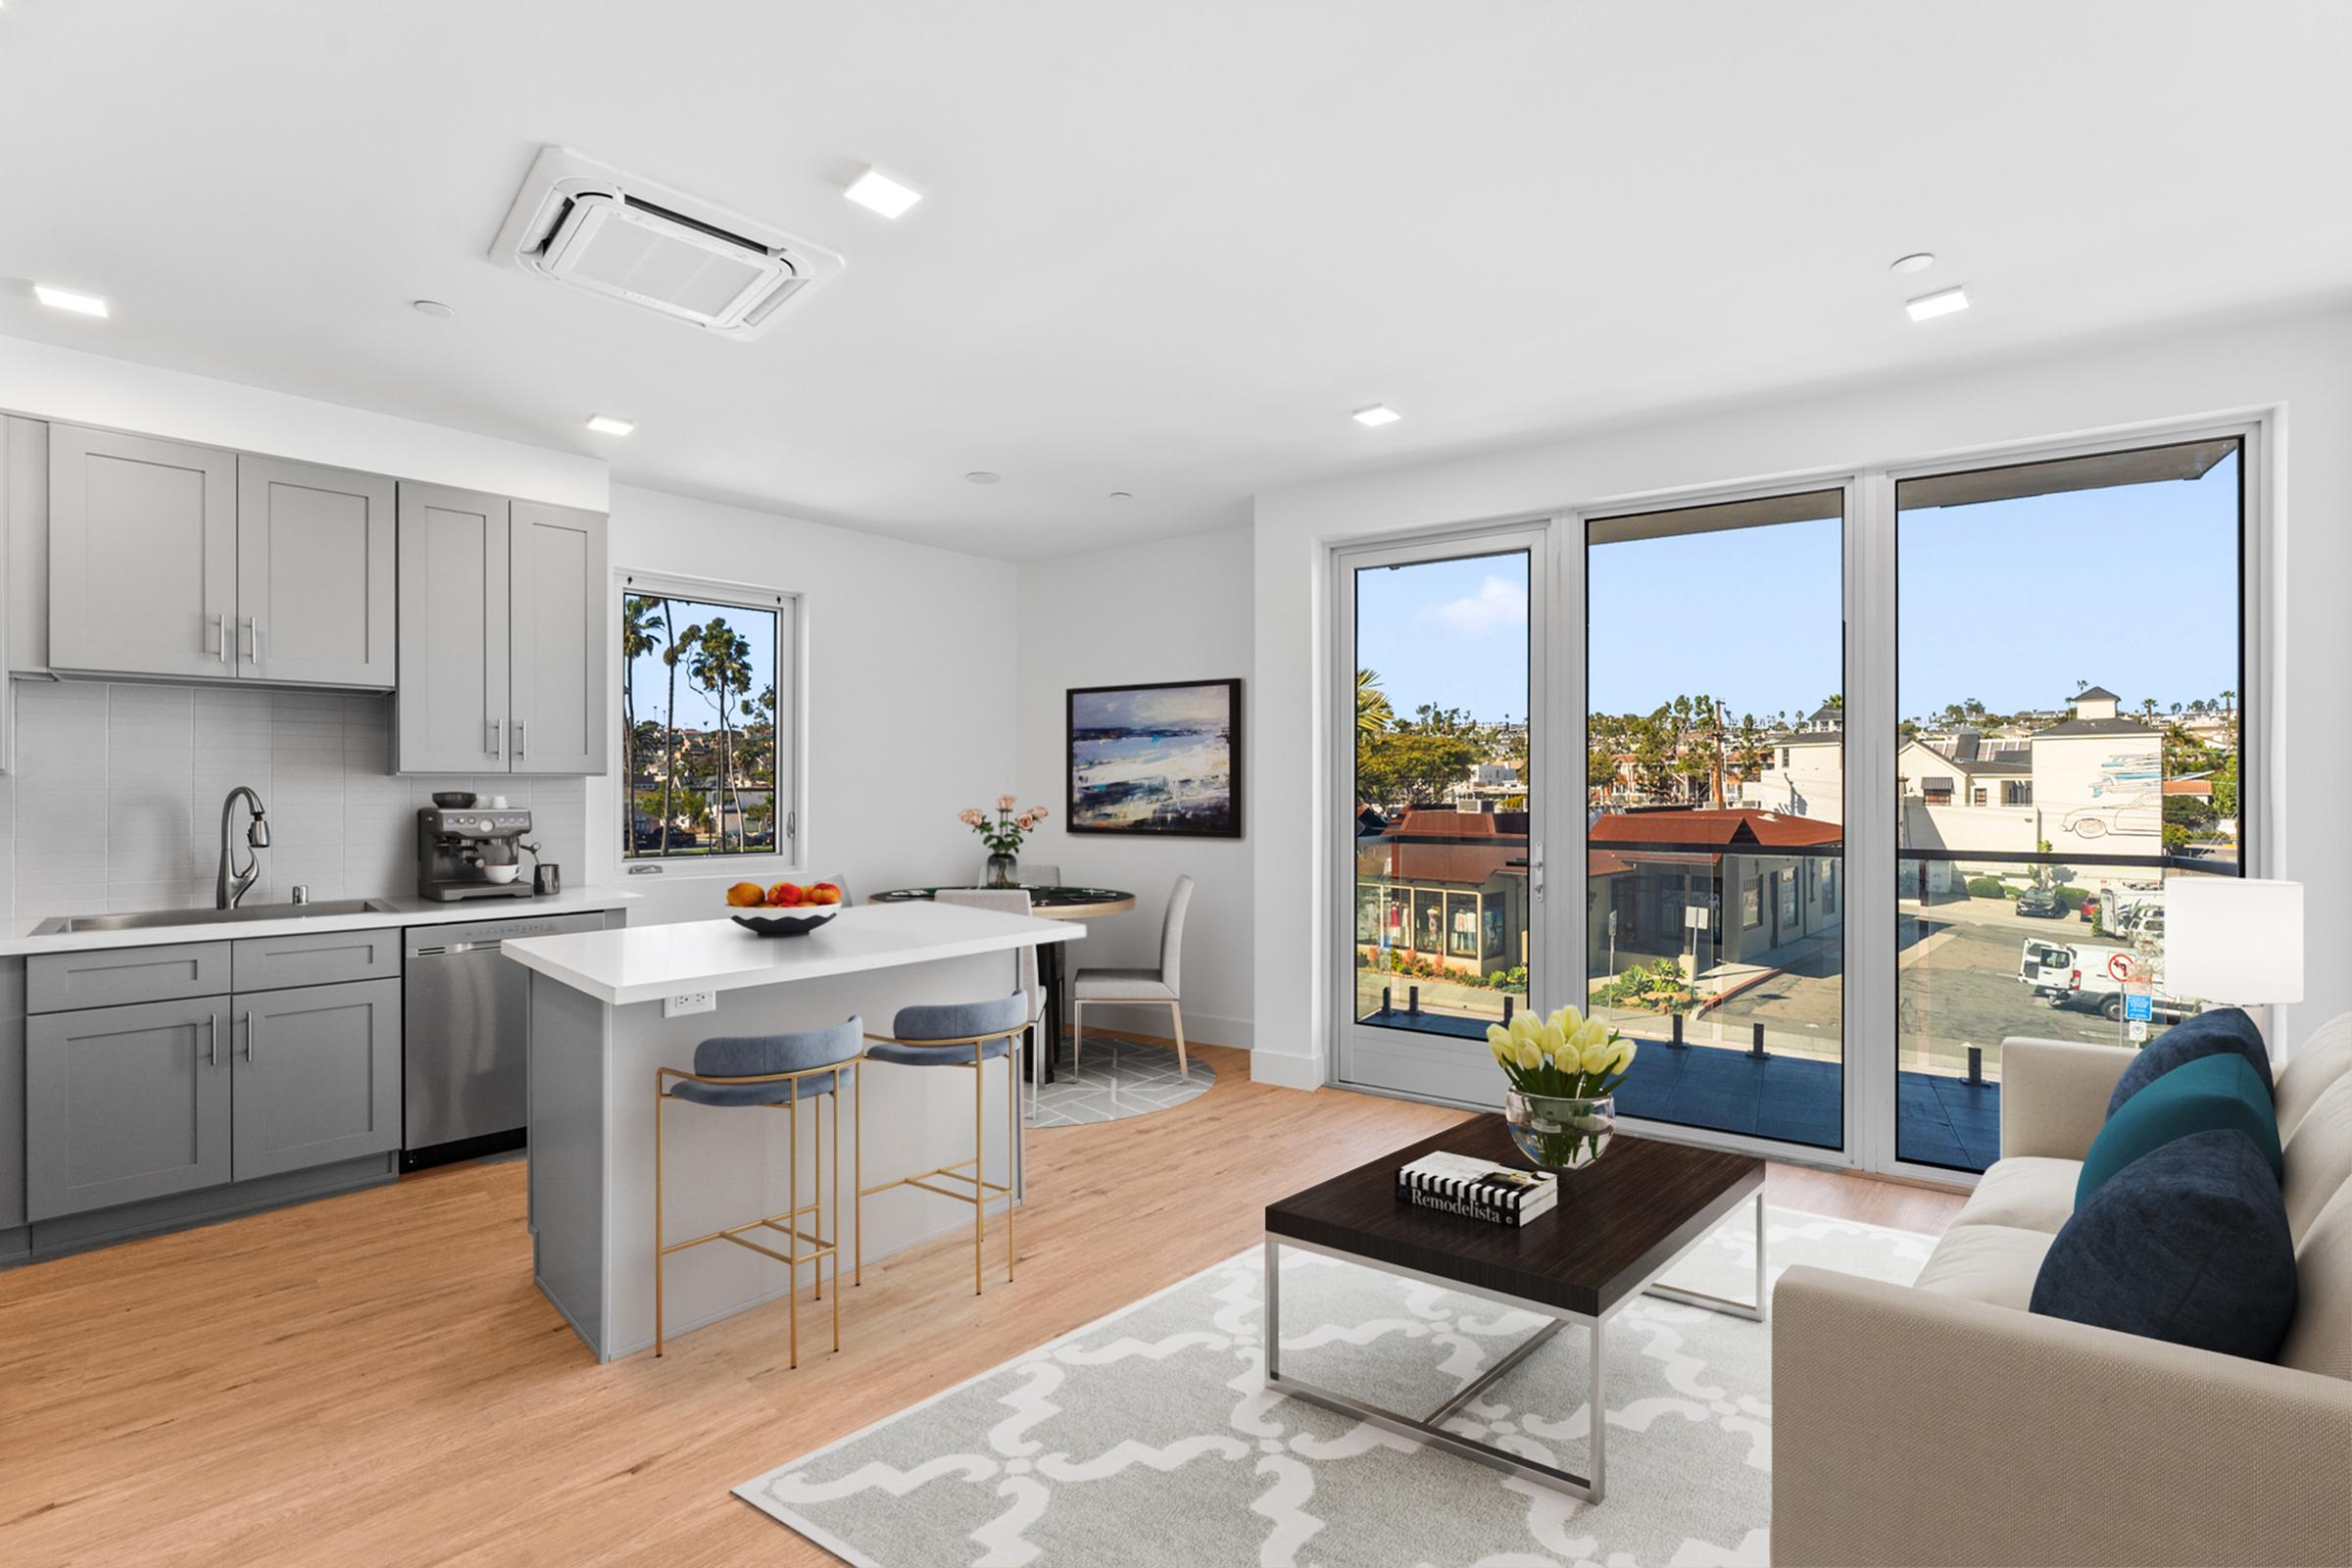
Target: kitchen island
{"x": 607, "y": 1010}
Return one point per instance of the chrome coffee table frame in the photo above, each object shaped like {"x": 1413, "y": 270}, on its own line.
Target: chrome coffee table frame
{"x": 1426, "y": 1429}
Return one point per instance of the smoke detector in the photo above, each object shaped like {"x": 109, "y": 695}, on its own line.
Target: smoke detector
{"x": 585, "y": 223}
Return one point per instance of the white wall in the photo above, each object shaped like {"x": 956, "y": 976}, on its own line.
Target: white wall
{"x": 116, "y": 800}
{"x": 1172, "y": 609}
{"x": 56, "y": 383}
{"x": 909, "y": 682}
{"x": 2300, "y": 362}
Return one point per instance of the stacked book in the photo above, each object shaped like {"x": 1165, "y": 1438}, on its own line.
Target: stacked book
{"x": 1480, "y": 1189}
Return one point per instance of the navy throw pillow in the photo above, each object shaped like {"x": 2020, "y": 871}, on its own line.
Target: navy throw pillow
{"x": 2214, "y": 1030}
{"x": 2188, "y": 1243}
{"x": 2217, "y": 1091}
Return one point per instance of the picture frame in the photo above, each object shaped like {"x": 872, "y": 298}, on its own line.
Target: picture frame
{"x": 1153, "y": 760}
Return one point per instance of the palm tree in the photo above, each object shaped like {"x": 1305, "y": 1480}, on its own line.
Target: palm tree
{"x": 722, "y": 666}
{"x": 636, "y": 639}
{"x": 670, "y": 655}
{"x": 1373, "y": 715}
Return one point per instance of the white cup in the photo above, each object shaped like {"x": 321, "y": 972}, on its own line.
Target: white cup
{"x": 502, "y": 873}
{"x": 498, "y": 803}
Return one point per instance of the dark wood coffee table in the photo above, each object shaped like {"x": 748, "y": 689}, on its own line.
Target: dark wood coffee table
{"x": 1620, "y": 1223}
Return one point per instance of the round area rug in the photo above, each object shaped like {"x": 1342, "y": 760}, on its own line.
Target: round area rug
{"x": 1118, "y": 1078}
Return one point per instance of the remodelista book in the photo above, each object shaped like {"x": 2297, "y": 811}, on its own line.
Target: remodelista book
{"x": 1477, "y": 1188}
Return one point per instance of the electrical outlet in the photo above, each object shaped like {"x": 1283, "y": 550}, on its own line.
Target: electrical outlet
{"x": 686, "y": 1002}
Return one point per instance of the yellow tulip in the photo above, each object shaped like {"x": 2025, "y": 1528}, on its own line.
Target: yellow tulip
{"x": 1598, "y": 1056}
{"x": 1593, "y": 1033}
{"x": 1565, "y": 1059}
{"x": 1551, "y": 1040}
{"x": 1569, "y": 1020}
{"x": 1531, "y": 1055}
{"x": 1527, "y": 1026}
{"x": 1625, "y": 1055}
{"x": 1497, "y": 1036}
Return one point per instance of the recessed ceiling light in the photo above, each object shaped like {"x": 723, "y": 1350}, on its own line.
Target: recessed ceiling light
{"x": 1943, "y": 301}
{"x": 433, "y": 308}
{"x": 982, "y": 477}
{"x": 610, "y": 424}
{"x": 64, "y": 299}
{"x": 878, "y": 192}
{"x": 1916, "y": 262}
{"x": 1377, "y": 413}
{"x": 1122, "y": 495}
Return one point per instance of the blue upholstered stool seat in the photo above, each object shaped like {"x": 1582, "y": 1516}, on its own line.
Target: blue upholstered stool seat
{"x": 753, "y": 1055}
{"x": 954, "y": 1020}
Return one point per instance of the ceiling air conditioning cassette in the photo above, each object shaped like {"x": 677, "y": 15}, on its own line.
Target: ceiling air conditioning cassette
{"x": 595, "y": 227}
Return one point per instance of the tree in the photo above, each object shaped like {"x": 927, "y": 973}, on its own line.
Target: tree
{"x": 720, "y": 663}
{"x": 1406, "y": 766}
{"x": 2225, "y": 789}
{"x": 1749, "y": 754}
{"x": 673, "y": 649}
{"x": 636, "y": 639}
{"x": 1372, "y": 714}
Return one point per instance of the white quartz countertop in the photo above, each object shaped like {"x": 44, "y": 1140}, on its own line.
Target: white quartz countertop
{"x": 15, "y": 937}
{"x": 646, "y": 963}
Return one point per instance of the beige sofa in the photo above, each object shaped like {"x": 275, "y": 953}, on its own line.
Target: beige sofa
{"x": 1942, "y": 1423}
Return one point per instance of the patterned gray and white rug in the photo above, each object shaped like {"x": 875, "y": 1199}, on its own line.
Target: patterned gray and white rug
{"x": 1118, "y": 1078}
{"x": 1148, "y": 1438}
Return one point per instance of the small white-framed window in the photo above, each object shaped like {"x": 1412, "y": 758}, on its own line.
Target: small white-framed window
{"x": 709, "y": 755}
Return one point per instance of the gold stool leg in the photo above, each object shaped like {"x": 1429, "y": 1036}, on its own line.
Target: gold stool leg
{"x": 792, "y": 1200}
{"x": 659, "y": 1256}
{"x": 836, "y": 1227}
{"x": 1013, "y": 1147}
{"x": 979, "y": 1166}
{"x": 817, "y": 1126}
{"x": 857, "y": 1176}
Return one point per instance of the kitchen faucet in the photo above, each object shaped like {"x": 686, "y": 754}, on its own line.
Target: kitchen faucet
{"x": 232, "y": 886}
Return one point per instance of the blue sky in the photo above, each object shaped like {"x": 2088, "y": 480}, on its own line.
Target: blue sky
{"x": 695, "y": 709}
{"x": 2014, "y": 603}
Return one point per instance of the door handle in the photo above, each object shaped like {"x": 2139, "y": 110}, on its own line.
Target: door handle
{"x": 253, "y": 1037}
{"x": 245, "y": 638}
{"x": 220, "y": 634}
{"x": 497, "y": 745}
{"x": 212, "y": 1037}
{"x": 519, "y": 740}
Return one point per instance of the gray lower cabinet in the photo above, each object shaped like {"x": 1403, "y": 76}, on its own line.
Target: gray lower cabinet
{"x": 12, "y": 1122}
{"x": 317, "y": 1076}
{"x": 123, "y": 1103}
{"x": 142, "y": 554}
{"x": 315, "y": 574}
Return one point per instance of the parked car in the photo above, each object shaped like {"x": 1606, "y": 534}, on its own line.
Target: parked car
{"x": 2089, "y": 911}
{"x": 2042, "y": 903}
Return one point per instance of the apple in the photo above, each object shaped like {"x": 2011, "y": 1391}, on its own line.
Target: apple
{"x": 825, "y": 893}
{"x": 786, "y": 895}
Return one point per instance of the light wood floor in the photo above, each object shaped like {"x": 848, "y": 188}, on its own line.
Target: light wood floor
{"x": 373, "y": 1379}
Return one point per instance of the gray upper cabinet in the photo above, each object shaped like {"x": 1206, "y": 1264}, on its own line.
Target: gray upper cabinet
{"x": 317, "y": 1076}
{"x": 451, "y": 710}
{"x": 502, "y": 635}
{"x": 142, "y": 554}
{"x": 315, "y": 574}
{"x": 557, "y": 675}
{"x": 123, "y": 1103}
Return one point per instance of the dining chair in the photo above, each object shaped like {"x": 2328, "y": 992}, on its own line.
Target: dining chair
{"x": 1158, "y": 987}
{"x": 1008, "y": 900}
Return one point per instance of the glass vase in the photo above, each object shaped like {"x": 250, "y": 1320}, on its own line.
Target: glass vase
{"x": 1004, "y": 871}
{"x": 1557, "y": 1134}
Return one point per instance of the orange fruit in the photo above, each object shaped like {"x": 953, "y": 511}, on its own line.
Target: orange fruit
{"x": 785, "y": 895}
{"x": 745, "y": 896}
{"x": 825, "y": 893}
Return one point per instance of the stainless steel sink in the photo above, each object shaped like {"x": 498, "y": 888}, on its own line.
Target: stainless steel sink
{"x": 149, "y": 920}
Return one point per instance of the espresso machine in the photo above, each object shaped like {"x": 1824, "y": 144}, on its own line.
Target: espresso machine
{"x": 472, "y": 852}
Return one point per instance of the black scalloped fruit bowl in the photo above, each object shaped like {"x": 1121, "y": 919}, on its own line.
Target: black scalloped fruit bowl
{"x": 786, "y": 925}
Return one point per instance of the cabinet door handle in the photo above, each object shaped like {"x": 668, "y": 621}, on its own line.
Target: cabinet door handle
{"x": 497, "y": 731}
{"x": 519, "y": 740}
{"x": 220, "y": 634}
{"x": 253, "y": 1037}
{"x": 212, "y": 1037}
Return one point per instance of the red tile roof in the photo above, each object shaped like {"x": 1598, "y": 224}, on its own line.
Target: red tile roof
{"x": 1743, "y": 827}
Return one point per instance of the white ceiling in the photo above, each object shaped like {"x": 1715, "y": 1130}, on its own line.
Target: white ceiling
{"x": 1162, "y": 248}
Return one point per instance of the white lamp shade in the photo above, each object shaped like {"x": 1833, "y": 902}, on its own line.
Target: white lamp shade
{"x": 2234, "y": 939}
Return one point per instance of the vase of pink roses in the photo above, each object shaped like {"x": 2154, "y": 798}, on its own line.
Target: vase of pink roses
{"x": 1003, "y": 837}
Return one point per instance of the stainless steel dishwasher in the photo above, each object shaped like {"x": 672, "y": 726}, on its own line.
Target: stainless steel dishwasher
{"x": 464, "y": 1087}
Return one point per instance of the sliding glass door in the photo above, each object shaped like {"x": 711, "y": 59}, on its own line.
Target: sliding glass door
{"x": 1715, "y": 865}
{"x": 2070, "y": 664}
{"x": 1442, "y": 811}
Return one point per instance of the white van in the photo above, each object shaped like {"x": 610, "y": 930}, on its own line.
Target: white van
{"x": 2089, "y": 974}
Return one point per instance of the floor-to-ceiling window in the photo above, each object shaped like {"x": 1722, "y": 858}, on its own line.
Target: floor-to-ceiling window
{"x": 1715, "y": 908}
{"x": 1442, "y": 794}
{"x": 2069, "y": 658}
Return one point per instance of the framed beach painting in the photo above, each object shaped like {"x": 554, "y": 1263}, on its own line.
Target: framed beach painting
{"x": 1161, "y": 760}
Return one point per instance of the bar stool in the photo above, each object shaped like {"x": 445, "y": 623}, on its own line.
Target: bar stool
{"x": 961, "y": 1034}
{"x": 774, "y": 1072}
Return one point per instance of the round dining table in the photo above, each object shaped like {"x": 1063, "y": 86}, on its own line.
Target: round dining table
{"x": 1046, "y": 904}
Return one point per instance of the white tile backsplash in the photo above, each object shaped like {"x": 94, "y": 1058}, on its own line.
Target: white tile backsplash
{"x": 116, "y": 800}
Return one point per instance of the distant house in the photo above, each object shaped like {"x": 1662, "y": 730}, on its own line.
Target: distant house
{"x": 1804, "y": 770}
{"x": 1703, "y": 888}
{"x": 1448, "y": 887}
